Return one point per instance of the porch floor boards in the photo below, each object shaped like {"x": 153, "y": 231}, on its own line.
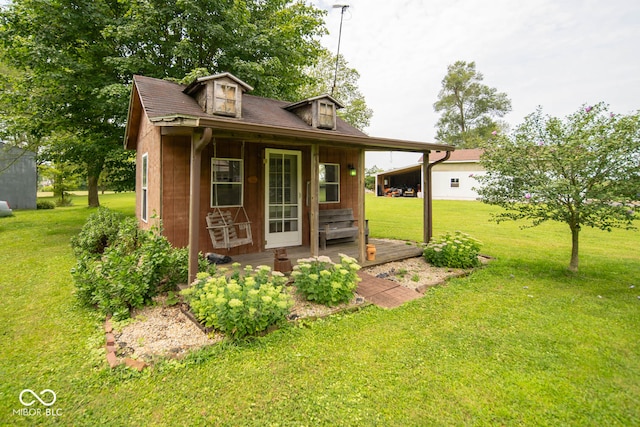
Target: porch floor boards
{"x": 382, "y": 292}
{"x": 386, "y": 251}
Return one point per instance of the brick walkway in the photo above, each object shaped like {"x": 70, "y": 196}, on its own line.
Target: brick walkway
{"x": 384, "y": 293}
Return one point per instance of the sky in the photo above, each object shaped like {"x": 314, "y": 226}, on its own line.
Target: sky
{"x": 557, "y": 54}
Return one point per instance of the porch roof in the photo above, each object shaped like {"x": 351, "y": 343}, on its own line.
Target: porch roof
{"x": 165, "y": 104}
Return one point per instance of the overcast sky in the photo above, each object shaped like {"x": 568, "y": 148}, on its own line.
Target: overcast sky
{"x": 558, "y": 54}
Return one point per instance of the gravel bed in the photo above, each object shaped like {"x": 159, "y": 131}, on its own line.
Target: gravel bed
{"x": 414, "y": 273}
{"x": 162, "y": 330}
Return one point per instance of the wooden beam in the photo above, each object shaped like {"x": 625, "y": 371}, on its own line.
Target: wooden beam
{"x": 314, "y": 205}
{"x": 426, "y": 198}
{"x": 198, "y": 142}
{"x": 362, "y": 248}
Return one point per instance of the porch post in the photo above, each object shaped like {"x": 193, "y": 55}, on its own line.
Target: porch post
{"x": 362, "y": 249}
{"x": 197, "y": 145}
{"x": 314, "y": 189}
{"x": 426, "y": 198}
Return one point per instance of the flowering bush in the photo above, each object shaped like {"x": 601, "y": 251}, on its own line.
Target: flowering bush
{"x": 320, "y": 280}
{"x": 457, "y": 251}
{"x": 242, "y": 303}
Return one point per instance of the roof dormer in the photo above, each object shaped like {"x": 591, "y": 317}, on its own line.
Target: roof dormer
{"x": 318, "y": 112}
{"x": 220, "y": 94}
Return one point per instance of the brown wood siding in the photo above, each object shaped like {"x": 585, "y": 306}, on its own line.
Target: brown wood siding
{"x": 148, "y": 143}
{"x": 348, "y": 183}
{"x": 176, "y": 152}
{"x": 253, "y": 188}
{"x": 175, "y": 188}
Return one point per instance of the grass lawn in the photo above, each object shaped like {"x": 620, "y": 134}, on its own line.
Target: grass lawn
{"x": 519, "y": 342}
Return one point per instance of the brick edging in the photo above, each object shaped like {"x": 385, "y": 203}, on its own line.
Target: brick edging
{"x": 111, "y": 348}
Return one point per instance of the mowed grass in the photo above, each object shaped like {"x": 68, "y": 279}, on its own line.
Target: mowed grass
{"x": 519, "y": 342}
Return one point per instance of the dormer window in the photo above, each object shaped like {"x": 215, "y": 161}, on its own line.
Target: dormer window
{"x": 318, "y": 112}
{"x": 220, "y": 94}
{"x": 326, "y": 115}
{"x": 225, "y": 99}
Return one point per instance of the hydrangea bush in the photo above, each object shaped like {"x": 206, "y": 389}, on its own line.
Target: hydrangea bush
{"x": 241, "y": 303}
{"x": 321, "y": 280}
{"x": 454, "y": 251}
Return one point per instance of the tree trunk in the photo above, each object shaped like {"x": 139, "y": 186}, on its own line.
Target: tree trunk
{"x": 92, "y": 184}
{"x": 573, "y": 264}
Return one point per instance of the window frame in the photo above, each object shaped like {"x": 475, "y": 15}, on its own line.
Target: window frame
{"x": 331, "y": 183}
{"x": 220, "y": 99}
{"x": 212, "y": 201}
{"x": 144, "y": 203}
{"x": 454, "y": 183}
{"x": 331, "y": 115}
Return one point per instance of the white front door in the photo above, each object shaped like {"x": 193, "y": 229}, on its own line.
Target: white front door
{"x": 283, "y": 210}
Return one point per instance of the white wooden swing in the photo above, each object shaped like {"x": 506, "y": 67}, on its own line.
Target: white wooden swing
{"x": 227, "y": 230}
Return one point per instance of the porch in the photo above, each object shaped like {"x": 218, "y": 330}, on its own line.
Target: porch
{"x": 381, "y": 292}
{"x": 386, "y": 251}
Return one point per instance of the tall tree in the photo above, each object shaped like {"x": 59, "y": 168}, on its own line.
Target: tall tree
{"x": 58, "y": 48}
{"x": 266, "y": 43}
{"x": 583, "y": 171}
{"x": 76, "y": 59}
{"x": 322, "y": 75}
{"x": 468, "y": 107}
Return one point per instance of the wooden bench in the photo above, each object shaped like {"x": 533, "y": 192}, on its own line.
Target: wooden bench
{"x": 338, "y": 224}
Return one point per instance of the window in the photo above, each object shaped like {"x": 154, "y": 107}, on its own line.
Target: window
{"x": 326, "y": 114}
{"x": 145, "y": 198}
{"x": 329, "y": 183}
{"x": 455, "y": 182}
{"x": 225, "y": 99}
{"x": 226, "y": 182}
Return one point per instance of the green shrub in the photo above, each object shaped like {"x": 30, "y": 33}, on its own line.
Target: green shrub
{"x": 454, "y": 251}
{"x": 320, "y": 280}
{"x": 121, "y": 267}
{"x": 130, "y": 272}
{"x": 240, "y": 304}
{"x": 98, "y": 232}
{"x": 45, "y": 204}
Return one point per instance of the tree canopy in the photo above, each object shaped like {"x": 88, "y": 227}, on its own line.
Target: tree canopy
{"x": 74, "y": 60}
{"x": 581, "y": 171}
{"x": 468, "y": 107}
{"x": 322, "y": 74}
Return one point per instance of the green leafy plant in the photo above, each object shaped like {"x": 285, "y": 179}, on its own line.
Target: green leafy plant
{"x": 320, "y": 280}
{"x": 242, "y": 303}
{"x": 98, "y": 232}
{"x": 454, "y": 251}
{"x": 121, "y": 267}
{"x": 45, "y": 204}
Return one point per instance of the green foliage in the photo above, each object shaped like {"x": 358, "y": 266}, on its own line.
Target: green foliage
{"x": 45, "y": 204}
{"x": 119, "y": 172}
{"x": 454, "y": 251}
{"x": 520, "y": 342}
{"x": 98, "y": 232}
{"x": 72, "y": 62}
{"x": 322, "y": 74}
{"x": 468, "y": 107}
{"x": 241, "y": 304}
{"x": 370, "y": 177}
{"x": 320, "y": 280}
{"x": 581, "y": 171}
{"x": 121, "y": 267}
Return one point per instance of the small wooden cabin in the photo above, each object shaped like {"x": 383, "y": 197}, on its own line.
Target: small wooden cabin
{"x": 267, "y": 163}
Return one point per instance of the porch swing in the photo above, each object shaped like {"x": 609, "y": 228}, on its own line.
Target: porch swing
{"x": 226, "y": 229}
